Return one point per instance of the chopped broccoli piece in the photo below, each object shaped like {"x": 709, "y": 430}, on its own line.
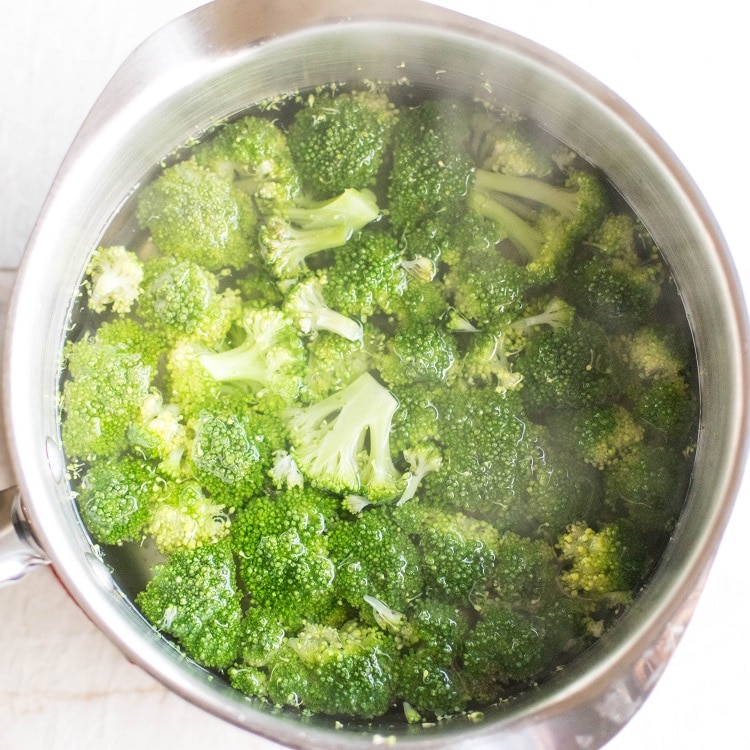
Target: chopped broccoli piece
{"x": 253, "y": 152}
{"x": 603, "y": 436}
{"x": 194, "y": 214}
{"x": 339, "y": 141}
{"x": 342, "y": 443}
{"x": 113, "y": 279}
{"x": 114, "y": 498}
{"x": 192, "y": 588}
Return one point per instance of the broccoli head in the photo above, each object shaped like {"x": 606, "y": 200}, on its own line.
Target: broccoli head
{"x": 113, "y": 278}
{"x": 195, "y": 214}
{"x": 192, "y": 588}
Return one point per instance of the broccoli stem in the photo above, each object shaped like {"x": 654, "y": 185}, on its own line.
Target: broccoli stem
{"x": 561, "y": 200}
{"x": 241, "y": 364}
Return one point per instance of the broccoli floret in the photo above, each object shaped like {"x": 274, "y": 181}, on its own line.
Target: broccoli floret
{"x": 602, "y": 566}
{"x": 418, "y": 353}
{"x": 114, "y": 498}
{"x": 421, "y": 302}
{"x": 182, "y": 517}
{"x": 347, "y": 671}
{"x": 306, "y": 227}
{"x": 430, "y": 683}
{"x": 103, "y": 395}
{"x": 366, "y": 276}
{"x": 604, "y": 435}
{"x": 542, "y": 220}
{"x": 133, "y": 336}
{"x": 271, "y": 358}
{"x": 647, "y": 485}
{"x": 652, "y": 352}
{"x": 194, "y": 214}
{"x": 263, "y": 634}
{"x": 339, "y": 141}
{"x": 181, "y": 298}
{"x": 487, "y": 451}
{"x": 422, "y": 459}
{"x": 458, "y": 553}
{"x": 160, "y": 433}
{"x": 192, "y": 588}
{"x": 666, "y": 407}
{"x": 342, "y": 443}
{"x": 335, "y": 362}
{"x": 304, "y": 303}
{"x": 259, "y": 288}
{"x": 282, "y": 546}
{"x": 505, "y": 645}
{"x": 567, "y": 367}
{"x": 431, "y": 172}
{"x": 417, "y": 420}
{"x": 113, "y": 279}
{"x": 232, "y": 450}
{"x": 253, "y": 152}
{"x": 488, "y": 360}
{"x": 525, "y": 571}
{"x": 376, "y": 558}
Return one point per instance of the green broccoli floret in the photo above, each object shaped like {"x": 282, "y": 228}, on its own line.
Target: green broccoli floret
{"x": 417, "y": 420}
{"x": 304, "y": 303}
{"x": 421, "y": 302}
{"x": 542, "y": 220}
{"x": 193, "y": 588}
{"x": 282, "y": 546}
{"x": 160, "y": 434}
{"x": 647, "y": 485}
{"x": 339, "y": 141}
{"x": 253, "y": 152}
{"x": 114, "y": 498}
{"x": 232, "y": 450}
{"x": 342, "y": 443}
{"x": 375, "y": 557}
{"x": 432, "y": 171}
{"x": 347, "y": 671}
{"x": 604, "y": 435}
{"x": 487, "y": 452}
{"x": 259, "y": 288}
{"x": 263, "y": 634}
{"x": 653, "y": 352}
{"x": 195, "y": 214}
{"x": 103, "y": 395}
{"x": 506, "y": 645}
{"x": 488, "y": 360}
{"x": 666, "y": 407}
{"x": 304, "y": 227}
{"x": 458, "y": 553}
{"x": 418, "y": 353}
{"x": 182, "y": 517}
{"x": 271, "y": 358}
{"x": 335, "y": 362}
{"x": 602, "y": 566}
{"x": 133, "y": 336}
{"x": 181, "y": 298}
{"x": 567, "y": 367}
{"x": 113, "y": 279}
{"x": 366, "y": 276}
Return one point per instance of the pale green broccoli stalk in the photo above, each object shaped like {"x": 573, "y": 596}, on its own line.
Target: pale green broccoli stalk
{"x": 192, "y": 588}
{"x": 114, "y": 498}
{"x": 107, "y": 386}
{"x": 182, "y": 517}
{"x": 189, "y": 385}
{"x": 339, "y": 141}
{"x": 160, "y": 433}
{"x": 253, "y": 152}
{"x": 285, "y": 473}
{"x": 305, "y": 304}
{"x": 271, "y": 358}
{"x": 557, "y": 313}
{"x": 181, "y": 298}
{"x": 195, "y": 214}
{"x": 113, "y": 279}
{"x": 346, "y": 671}
{"x": 342, "y": 443}
{"x": 422, "y": 460}
{"x": 305, "y": 228}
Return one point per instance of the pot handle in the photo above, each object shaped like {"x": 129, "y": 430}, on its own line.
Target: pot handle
{"x": 19, "y": 552}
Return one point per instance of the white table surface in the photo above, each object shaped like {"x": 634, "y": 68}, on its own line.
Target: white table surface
{"x": 683, "y": 65}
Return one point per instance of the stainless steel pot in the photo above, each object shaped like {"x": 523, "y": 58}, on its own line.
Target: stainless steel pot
{"x": 212, "y": 63}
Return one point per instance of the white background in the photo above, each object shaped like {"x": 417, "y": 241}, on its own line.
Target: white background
{"x": 683, "y": 65}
